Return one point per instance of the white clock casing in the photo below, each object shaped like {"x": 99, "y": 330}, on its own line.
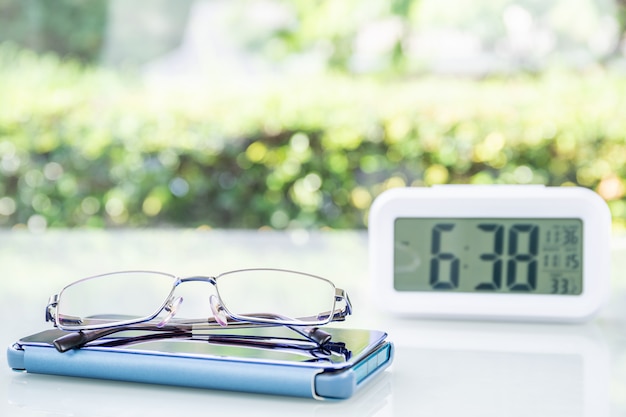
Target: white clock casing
{"x": 522, "y": 203}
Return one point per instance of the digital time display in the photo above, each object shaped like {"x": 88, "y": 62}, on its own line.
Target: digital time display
{"x": 489, "y": 255}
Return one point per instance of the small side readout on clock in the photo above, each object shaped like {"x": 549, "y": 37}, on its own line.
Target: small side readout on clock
{"x": 496, "y": 252}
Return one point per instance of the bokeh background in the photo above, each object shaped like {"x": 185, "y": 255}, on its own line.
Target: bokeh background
{"x": 296, "y": 114}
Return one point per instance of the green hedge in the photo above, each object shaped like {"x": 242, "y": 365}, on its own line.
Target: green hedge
{"x": 86, "y": 147}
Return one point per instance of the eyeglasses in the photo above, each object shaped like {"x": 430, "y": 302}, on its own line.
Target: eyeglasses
{"x": 146, "y": 300}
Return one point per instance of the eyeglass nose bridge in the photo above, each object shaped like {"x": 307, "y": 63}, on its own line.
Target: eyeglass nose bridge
{"x": 199, "y": 278}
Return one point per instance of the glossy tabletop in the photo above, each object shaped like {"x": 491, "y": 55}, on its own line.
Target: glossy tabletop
{"x": 442, "y": 368}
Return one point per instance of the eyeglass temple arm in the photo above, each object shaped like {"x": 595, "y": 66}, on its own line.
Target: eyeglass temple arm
{"x": 299, "y": 346}
{"x": 73, "y": 340}
{"x": 80, "y": 338}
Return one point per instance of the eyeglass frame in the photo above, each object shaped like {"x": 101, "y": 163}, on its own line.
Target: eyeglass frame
{"x": 323, "y": 318}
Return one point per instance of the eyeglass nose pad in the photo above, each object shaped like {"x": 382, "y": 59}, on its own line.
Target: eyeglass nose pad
{"x": 171, "y": 308}
{"x": 219, "y": 313}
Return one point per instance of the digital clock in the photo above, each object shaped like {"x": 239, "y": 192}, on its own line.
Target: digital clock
{"x": 493, "y": 252}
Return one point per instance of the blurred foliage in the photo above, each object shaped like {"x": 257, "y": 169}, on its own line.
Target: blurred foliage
{"x": 107, "y": 150}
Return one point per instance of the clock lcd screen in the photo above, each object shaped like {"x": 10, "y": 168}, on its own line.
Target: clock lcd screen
{"x": 521, "y": 256}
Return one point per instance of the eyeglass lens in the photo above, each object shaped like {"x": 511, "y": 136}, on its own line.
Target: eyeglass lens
{"x": 289, "y": 295}
{"x": 111, "y": 298}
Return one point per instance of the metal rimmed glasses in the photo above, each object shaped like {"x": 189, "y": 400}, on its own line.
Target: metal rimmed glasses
{"x": 101, "y": 305}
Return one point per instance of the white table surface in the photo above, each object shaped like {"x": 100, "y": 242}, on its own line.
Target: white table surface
{"x": 442, "y": 368}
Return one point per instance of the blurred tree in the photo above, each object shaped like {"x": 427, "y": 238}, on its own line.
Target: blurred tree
{"x": 70, "y": 28}
{"x": 621, "y": 20}
{"x": 343, "y": 31}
